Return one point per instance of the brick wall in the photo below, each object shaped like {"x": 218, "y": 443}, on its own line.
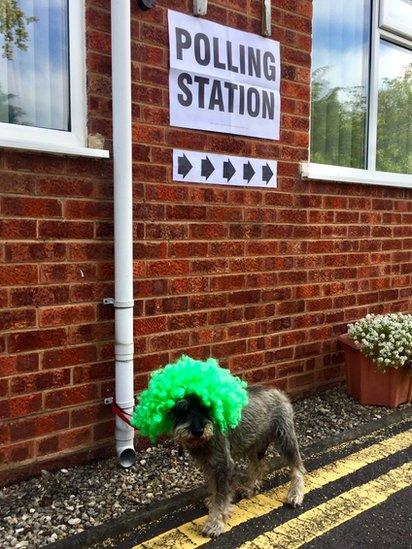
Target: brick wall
{"x": 264, "y": 280}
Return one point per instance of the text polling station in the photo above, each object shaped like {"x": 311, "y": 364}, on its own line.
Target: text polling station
{"x": 222, "y": 79}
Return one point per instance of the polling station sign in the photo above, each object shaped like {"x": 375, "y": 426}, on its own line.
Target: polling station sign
{"x": 222, "y": 79}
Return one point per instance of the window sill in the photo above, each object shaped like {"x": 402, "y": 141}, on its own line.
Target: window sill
{"x": 53, "y": 148}
{"x": 326, "y": 172}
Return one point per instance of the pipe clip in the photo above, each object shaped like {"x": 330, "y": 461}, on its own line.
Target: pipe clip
{"x": 199, "y": 7}
{"x": 118, "y": 304}
{"x": 266, "y": 17}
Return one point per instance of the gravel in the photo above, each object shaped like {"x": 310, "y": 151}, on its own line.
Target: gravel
{"x": 53, "y": 506}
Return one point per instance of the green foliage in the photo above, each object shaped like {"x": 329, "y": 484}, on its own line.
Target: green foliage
{"x": 338, "y": 123}
{"x": 8, "y": 112}
{"x": 13, "y": 24}
{"x": 216, "y": 387}
{"x": 394, "y": 141}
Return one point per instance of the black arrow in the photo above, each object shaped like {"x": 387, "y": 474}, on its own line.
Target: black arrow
{"x": 207, "y": 168}
{"x": 267, "y": 173}
{"x": 184, "y": 165}
{"x": 248, "y": 171}
{"x": 228, "y": 170}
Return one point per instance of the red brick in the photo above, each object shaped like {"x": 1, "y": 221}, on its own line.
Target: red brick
{"x": 97, "y": 251}
{"x": 21, "y": 406}
{"x": 11, "y": 229}
{"x": 19, "y": 452}
{"x": 4, "y": 435}
{"x": 74, "y": 272}
{"x": 168, "y": 305}
{"x": 93, "y": 372}
{"x": 150, "y": 325}
{"x": 47, "y": 445}
{"x": 188, "y": 285}
{"x": 33, "y": 163}
{"x": 103, "y": 430}
{"x": 40, "y": 381}
{"x": 73, "y": 230}
{"x": 87, "y": 209}
{"x": 16, "y": 364}
{"x": 91, "y": 292}
{"x": 90, "y": 414}
{"x": 38, "y": 426}
{"x": 71, "y": 314}
{"x": 53, "y": 186}
{"x": 4, "y": 387}
{"x": 17, "y": 318}
{"x": 39, "y": 296}
{"x": 36, "y": 339}
{"x": 4, "y": 298}
{"x": 17, "y": 275}
{"x": 35, "y": 252}
{"x": 168, "y": 268}
{"x": 178, "y": 340}
{"x": 71, "y": 397}
{"x": 31, "y": 207}
{"x": 91, "y": 332}
{"x": 223, "y": 350}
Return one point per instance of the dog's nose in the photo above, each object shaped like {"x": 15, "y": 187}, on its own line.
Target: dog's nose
{"x": 197, "y": 431}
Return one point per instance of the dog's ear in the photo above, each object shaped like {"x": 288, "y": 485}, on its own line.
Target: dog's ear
{"x": 181, "y": 406}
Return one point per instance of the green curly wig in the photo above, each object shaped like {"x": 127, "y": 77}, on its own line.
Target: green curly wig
{"x": 216, "y": 387}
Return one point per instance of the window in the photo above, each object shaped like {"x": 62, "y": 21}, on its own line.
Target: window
{"x": 361, "y": 122}
{"x": 42, "y": 76}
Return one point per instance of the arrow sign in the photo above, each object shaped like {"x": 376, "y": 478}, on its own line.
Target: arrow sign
{"x": 184, "y": 165}
{"x": 207, "y": 168}
{"x": 223, "y": 169}
{"x": 267, "y": 173}
{"x": 228, "y": 170}
{"x": 248, "y": 172}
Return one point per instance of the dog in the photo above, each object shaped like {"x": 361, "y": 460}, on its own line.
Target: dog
{"x": 266, "y": 419}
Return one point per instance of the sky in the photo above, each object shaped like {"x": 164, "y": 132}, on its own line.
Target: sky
{"x": 342, "y": 39}
{"x": 39, "y": 76}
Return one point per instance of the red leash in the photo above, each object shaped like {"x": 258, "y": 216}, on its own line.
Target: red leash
{"x": 122, "y": 414}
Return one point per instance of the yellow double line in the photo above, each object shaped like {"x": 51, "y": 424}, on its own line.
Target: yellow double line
{"x": 324, "y": 517}
{"x": 317, "y": 520}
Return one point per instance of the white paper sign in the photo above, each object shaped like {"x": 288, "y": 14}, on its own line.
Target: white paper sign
{"x": 222, "y": 79}
{"x": 220, "y": 169}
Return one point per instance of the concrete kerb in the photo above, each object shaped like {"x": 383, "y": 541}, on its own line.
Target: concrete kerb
{"x": 153, "y": 512}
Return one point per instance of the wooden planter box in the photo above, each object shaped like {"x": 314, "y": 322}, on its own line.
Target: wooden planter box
{"x": 370, "y": 386}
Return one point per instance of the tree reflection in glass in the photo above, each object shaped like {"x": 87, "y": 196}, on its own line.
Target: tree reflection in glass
{"x": 341, "y": 35}
{"x": 394, "y": 141}
{"x": 34, "y": 79}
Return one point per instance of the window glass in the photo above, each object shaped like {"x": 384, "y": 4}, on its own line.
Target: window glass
{"x": 341, "y": 36}
{"x": 394, "y": 139}
{"x": 34, "y": 79}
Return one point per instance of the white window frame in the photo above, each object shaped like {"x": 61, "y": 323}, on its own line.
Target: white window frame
{"x": 368, "y": 175}
{"x": 73, "y": 142}
{"x": 393, "y": 24}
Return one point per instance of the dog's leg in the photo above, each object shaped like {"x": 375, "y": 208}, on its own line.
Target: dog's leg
{"x": 219, "y": 477}
{"x": 256, "y": 470}
{"x": 288, "y": 447}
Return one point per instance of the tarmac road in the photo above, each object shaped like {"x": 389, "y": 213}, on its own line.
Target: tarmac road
{"x": 358, "y": 495}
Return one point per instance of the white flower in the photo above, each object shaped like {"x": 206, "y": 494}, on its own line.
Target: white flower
{"x": 386, "y": 339}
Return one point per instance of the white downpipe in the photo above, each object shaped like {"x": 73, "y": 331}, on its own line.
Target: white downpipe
{"x": 123, "y": 224}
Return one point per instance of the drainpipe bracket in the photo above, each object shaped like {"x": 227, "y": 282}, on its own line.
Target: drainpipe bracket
{"x": 118, "y": 304}
{"x": 199, "y": 7}
{"x": 266, "y": 17}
